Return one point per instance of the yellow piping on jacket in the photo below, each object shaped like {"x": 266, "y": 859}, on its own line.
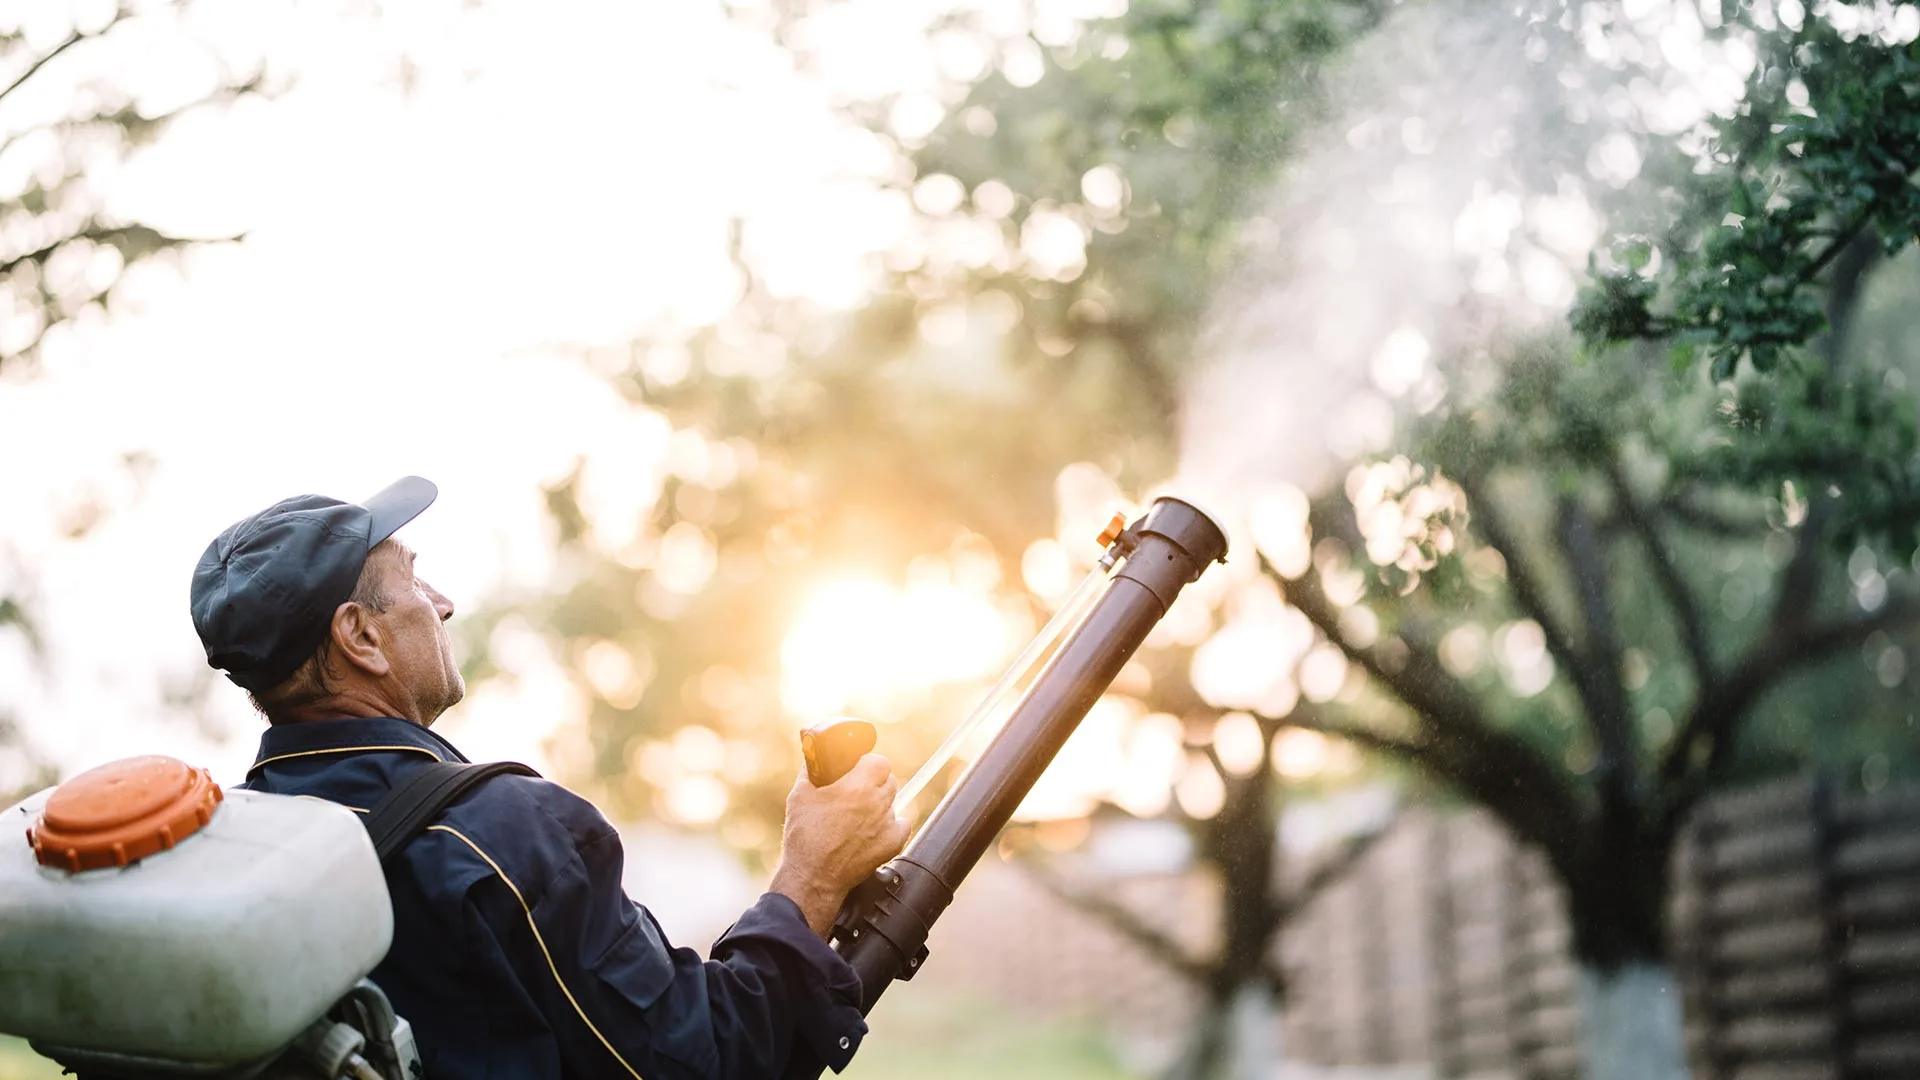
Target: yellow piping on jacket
{"x": 544, "y": 951}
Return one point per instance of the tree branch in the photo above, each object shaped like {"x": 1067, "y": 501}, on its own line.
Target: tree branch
{"x": 1772, "y": 659}
{"x": 1592, "y": 582}
{"x": 1666, "y": 572}
{"x": 1122, "y": 920}
{"x": 1330, "y": 872}
{"x": 132, "y": 241}
{"x": 1494, "y": 767}
{"x": 1413, "y": 751}
{"x": 1843, "y": 238}
{"x": 1707, "y": 737}
{"x": 120, "y": 15}
{"x": 1420, "y": 681}
{"x": 128, "y": 119}
{"x": 1800, "y": 581}
{"x": 1523, "y": 583}
{"x": 1703, "y": 518}
{"x": 1594, "y": 670}
{"x": 1823, "y": 638}
{"x": 1708, "y": 733}
{"x": 1498, "y": 769}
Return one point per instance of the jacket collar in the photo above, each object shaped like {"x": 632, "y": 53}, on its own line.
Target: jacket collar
{"x": 385, "y": 733}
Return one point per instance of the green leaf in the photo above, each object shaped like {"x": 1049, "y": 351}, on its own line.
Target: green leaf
{"x": 1742, "y": 199}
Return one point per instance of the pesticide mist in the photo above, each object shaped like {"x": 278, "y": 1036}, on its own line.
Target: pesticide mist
{"x": 1446, "y": 211}
{"x": 1452, "y": 203}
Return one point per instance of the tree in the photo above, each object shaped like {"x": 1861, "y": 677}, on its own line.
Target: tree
{"x": 1067, "y": 238}
{"x": 1592, "y": 512}
{"x": 68, "y": 124}
{"x": 68, "y": 121}
{"x": 1073, "y": 238}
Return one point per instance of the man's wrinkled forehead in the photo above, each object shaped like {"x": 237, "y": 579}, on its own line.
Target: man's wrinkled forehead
{"x": 391, "y": 555}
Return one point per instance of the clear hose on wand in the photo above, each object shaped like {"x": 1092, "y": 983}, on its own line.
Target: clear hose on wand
{"x": 996, "y": 706}
{"x": 882, "y": 929}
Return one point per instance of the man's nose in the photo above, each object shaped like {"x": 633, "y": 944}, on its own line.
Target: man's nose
{"x": 440, "y": 603}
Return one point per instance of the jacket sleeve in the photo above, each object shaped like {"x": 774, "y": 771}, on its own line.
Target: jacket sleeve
{"x": 622, "y": 1000}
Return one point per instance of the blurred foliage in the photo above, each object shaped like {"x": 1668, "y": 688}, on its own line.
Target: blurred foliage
{"x": 1571, "y": 591}
{"x": 1016, "y": 375}
{"x": 1157, "y": 136}
{"x": 71, "y": 122}
{"x": 871, "y": 439}
{"x": 1636, "y": 552}
{"x": 1820, "y": 159}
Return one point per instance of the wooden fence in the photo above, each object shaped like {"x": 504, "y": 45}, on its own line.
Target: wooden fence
{"x": 1795, "y": 932}
{"x": 1795, "y": 923}
{"x": 1446, "y": 946}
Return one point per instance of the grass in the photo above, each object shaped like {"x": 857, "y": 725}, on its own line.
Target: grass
{"x": 936, "y": 1038}
{"x": 17, "y": 1062}
{"x": 924, "y": 1036}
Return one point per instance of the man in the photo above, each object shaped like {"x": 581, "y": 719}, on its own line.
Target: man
{"x": 515, "y": 951}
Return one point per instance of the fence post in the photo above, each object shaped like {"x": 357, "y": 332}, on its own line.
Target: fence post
{"x": 1517, "y": 966}
{"x": 1698, "y": 931}
{"x": 1442, "y": 950}
{"x": 1836, "y": 929}
{"x": 1376, "y": 933}
{"x": 1308, "y": 976}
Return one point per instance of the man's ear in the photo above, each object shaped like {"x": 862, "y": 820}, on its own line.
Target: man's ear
{"x": 358, "y": 641}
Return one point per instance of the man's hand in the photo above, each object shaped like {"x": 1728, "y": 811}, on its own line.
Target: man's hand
{"x": 835, "y": 837}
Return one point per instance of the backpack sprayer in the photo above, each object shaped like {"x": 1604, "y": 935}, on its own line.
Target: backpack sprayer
{"x": 882, "y": 929}
{"x": 155, "y": 926}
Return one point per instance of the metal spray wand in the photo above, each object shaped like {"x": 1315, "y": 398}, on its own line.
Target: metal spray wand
{"x": 882, "y": 929}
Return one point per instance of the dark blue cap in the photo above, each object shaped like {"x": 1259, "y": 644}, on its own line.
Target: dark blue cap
{"x": 266, "y": 589}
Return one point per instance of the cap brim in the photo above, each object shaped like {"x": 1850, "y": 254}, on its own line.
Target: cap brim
{"x": 396, "y": 504}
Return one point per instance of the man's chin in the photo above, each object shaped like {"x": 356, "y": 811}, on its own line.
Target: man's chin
{"x": 455, "y": 693}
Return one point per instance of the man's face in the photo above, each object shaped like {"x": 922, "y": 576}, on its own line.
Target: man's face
{"x": 418, "y": 646}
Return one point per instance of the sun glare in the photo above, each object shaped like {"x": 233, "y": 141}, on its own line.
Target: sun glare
{"x": 871, "y": 649}
{"x": 864, "y": 646}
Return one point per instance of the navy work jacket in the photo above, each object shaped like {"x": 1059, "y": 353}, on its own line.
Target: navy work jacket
{"x": 516, "y": 953}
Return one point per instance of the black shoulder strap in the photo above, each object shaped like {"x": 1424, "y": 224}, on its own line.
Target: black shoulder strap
{"x": 412, "y": 805}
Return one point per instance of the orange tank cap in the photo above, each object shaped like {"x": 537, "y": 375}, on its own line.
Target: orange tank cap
{"x": 122, "y": 812}
{"x": 1115, "y": 526}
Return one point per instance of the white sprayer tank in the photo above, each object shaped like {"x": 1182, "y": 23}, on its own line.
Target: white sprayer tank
{"x": 143, "y": 912}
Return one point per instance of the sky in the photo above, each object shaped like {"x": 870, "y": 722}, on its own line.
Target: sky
{"x": 458, "y": 212}
{"x": 425, "y": 278}
{"x": 433, "y": 272}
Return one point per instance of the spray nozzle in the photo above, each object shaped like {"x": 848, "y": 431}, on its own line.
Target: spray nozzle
{"x": 1119, "y": 539}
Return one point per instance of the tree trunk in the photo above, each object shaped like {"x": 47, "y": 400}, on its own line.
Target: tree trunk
{"x": 1200, "y": 1058}
{"x": 1629, "y": 1000}
{"x": 1233, "y": 1038}
{"x": 1631, "y": 1023}
{"x": 1253, "y": 1020}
